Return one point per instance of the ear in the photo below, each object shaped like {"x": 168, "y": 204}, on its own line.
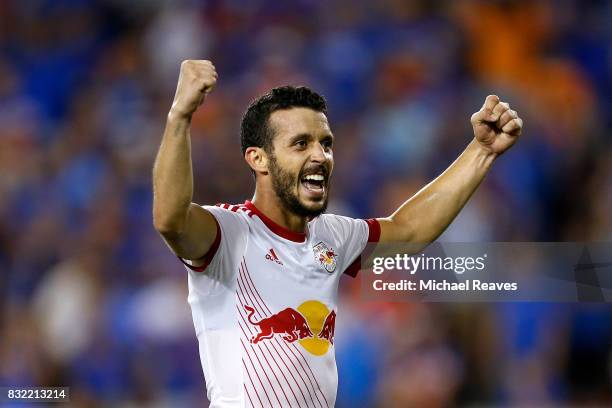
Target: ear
{"x": 257, "y": 159}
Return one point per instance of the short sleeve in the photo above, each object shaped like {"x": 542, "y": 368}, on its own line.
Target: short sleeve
{"x": 222, "y": 259}
{"x": 351, "y": 236}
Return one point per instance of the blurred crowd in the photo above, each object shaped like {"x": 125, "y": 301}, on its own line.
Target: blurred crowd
{"x": 91, "y": 298}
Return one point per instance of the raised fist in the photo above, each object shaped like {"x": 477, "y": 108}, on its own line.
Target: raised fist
{"x": 197, "y": 78}
{"x": 496, "y": 126}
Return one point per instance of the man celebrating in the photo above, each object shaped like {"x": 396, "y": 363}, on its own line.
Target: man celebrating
{"x": 263, "y": 275}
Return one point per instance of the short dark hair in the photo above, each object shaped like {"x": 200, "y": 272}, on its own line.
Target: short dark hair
{"x": 255, "y": 130}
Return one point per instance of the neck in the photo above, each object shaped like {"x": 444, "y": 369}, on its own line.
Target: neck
{"x": 269, "y": 204}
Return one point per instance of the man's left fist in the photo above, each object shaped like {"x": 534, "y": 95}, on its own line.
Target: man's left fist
{"x": 496, "y": 126}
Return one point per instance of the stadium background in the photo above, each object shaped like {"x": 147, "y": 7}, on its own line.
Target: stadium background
{"x": 90, "y": 296}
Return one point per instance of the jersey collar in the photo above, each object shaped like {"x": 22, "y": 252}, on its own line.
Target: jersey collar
{"x": 274, "y": 227}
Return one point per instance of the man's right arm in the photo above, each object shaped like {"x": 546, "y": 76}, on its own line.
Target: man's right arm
{"x": 188, "y": 229}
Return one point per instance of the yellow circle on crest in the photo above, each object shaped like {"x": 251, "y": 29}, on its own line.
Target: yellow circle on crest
{"x": 315, "y": 314}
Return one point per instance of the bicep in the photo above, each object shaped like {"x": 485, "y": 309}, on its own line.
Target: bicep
{"x": 392, "y": 231}
{"x": 197, "y": 237}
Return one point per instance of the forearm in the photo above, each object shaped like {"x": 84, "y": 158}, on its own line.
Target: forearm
{"x": 173, "y": 176}
{"x": 428, "y": 213}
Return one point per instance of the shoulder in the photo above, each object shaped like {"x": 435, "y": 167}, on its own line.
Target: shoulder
{"x": 232, "y": 218}
{"x": 337, "y": 225}
{"x": 229, "y": 211}
{"x": 343, "y": 227}
{"x": 333, "y": 222}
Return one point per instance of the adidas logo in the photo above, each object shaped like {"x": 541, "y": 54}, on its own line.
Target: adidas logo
{"x": 271, "y": 256}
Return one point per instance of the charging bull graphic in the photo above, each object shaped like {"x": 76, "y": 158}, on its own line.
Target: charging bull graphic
{"x": 288, "y": 323}
{"x": 329, "y": 326}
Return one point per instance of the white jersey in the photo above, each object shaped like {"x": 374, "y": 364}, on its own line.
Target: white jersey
{"x": 265, "y": 303}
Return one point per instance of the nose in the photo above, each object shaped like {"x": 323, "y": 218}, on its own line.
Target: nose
{"x": 318, "y": 154}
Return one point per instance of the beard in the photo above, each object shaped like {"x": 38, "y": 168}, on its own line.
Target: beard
{"x": 283, "y": 184}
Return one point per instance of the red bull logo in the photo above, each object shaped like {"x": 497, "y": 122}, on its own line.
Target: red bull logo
{"x": 312, "y": 325}
{"x": 288, "y": 323}
{"x": 325, "y": 256}
{"x": 327, "y": 332}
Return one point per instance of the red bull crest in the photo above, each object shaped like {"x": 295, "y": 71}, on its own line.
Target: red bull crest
{"x": 325, "y": 256}
{"x": 312, "y": 325}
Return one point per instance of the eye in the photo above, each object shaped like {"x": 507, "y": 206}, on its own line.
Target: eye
{"x": 300, "y": 143}
{"x": 327, "y": 144}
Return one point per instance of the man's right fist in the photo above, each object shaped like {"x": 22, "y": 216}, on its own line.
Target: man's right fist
{"x": 197, "y": 78}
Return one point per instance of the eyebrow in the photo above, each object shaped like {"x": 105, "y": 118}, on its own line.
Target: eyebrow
{"x": 299, "y": 136}
{"x": 308, "y": 136}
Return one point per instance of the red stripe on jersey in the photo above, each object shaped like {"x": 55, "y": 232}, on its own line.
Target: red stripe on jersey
{"x": 246, "y": 291}
{"x": 208, "y": 257}
{"x": 251, "y": 380}
{"x": 274, "y": 227}
{"x": 257, "y": 375}
{"x": 275, "y": 360}
{"x": 374, "y": 230}
{"x": 254, "y": 353}
{"x": 245, "y": 387}
{"x": 265, "y": 358}
{"x": 292, "y": 347}
{"x": 373, "y": 237}
{"x": 263, "y": 369}
{"x": 246, "y": 210}
{"x": 240, "y": 292}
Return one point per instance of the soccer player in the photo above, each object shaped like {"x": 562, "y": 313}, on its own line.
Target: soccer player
{"x": 263, "y": 275}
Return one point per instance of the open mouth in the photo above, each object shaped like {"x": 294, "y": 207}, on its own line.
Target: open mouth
{"x": 314, "y": 183}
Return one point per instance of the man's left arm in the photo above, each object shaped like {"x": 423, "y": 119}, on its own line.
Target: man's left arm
{"x": 422, "y": 218}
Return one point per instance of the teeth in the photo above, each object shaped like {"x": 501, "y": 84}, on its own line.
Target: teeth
{"x": 314, "y": 177}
